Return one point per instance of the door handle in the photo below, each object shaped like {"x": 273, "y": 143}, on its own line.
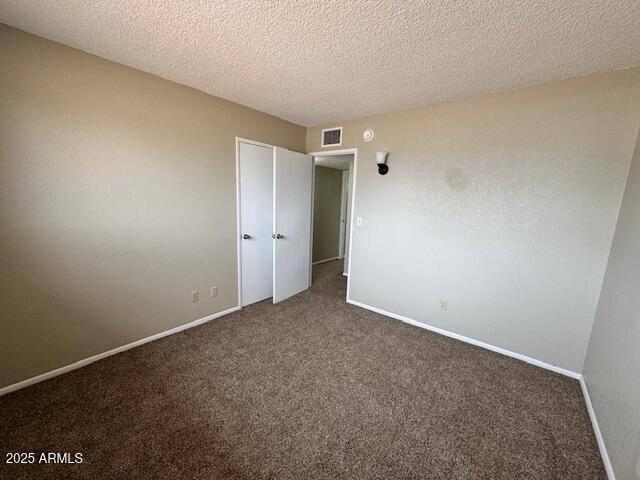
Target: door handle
{"x": 246, "y": 237}
{"x": 277, "y": 236}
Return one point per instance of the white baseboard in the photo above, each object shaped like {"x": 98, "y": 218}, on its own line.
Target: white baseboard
{"x": 472, "y": 341}
{"x": 594, "y": 422}
{"x": 596, "y": 428}
{"x": 327, "y": 260}
{"x": 86, "y": 361}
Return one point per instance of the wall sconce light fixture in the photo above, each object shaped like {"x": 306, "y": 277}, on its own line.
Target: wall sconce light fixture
{"x": 381, "y": 160}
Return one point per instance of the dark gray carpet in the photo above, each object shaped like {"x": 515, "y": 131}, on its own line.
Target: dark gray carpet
{"x": 311, "y": 388}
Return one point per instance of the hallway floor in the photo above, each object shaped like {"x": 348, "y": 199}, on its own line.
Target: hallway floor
{"x": 312, "y": 388}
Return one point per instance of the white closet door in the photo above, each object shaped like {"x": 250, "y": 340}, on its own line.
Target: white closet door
{"x": 256, "y": 222}
{"x": 293, "y": 173}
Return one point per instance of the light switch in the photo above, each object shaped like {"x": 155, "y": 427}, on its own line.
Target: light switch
{"x": 359, "y": 221}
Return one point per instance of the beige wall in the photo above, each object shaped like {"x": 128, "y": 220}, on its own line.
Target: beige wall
{"x": 117, "y": 196}
{"x": 612, "y": 366}
{"x": 504, "y": 206}
{"x": 326, "y": 213}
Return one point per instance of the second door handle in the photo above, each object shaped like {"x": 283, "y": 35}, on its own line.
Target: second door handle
{"x": 277, "y": 236}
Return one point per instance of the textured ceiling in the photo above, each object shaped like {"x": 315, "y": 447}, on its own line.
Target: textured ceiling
{"x": 315, "y": 62}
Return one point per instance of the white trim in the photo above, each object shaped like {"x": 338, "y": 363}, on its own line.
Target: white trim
{"x": 472, "y": 341}
{"x": 327, "y": 260}
{"x": 253, "y": 142}
{"x": 344, "y": 188}
{"x": 332, "y": 153}
{"x": 238, "y": 232}
{"x": 313, "y": 206}
{"x": 323, "y": 145}
{"x": 344, "y": 274}
{"x": 274, "y": 228}
{"x": 353, "y": 220}
{"x": 346, "y": 151}
{"x": 538, "y": 363}
{"x": 86, "y": 361}
{"x": 596, "y": 428}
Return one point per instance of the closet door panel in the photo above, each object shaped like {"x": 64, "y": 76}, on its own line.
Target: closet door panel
{"x": 255, "y": 169}
{"x": 293, "y": 174}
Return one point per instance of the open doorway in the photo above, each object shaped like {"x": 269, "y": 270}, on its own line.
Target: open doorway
{"x": 331, "y": 208}
{"x": 332, "y": 204}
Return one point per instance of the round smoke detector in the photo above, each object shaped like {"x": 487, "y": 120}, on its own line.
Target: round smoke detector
{"x": 367, "y": 135}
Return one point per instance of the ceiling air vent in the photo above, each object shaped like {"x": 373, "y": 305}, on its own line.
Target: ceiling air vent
{"x": 332, "y": 137}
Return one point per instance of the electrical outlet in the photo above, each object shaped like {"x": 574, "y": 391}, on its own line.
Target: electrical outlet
{"x": 195, "y": 295}
{"x": 359, "y": 221}
{"x": 213, "y": 292}
{"x": 444, "y": 305}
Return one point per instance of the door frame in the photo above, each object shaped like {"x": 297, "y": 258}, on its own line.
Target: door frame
{"x": 344, "y": 189}
{"x": 240, "y": 140}
{"x": 331, "y": 153}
